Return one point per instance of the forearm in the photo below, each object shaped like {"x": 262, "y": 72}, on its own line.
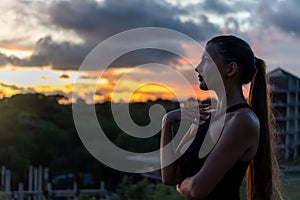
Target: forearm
{"x": 189, "y": 189}
{"x": 168, "y": 171}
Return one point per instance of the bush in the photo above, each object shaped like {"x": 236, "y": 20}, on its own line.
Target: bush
{"x": 4, "y": 196}
{"x": 128, "y": 190}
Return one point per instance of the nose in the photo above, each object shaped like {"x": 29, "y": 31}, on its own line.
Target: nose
{"x": 198, "y": 68}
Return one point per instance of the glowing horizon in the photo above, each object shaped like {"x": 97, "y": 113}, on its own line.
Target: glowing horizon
{"x": 14, "y": 80}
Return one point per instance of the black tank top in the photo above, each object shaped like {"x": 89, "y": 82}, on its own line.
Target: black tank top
{"x": 189, "y": 164}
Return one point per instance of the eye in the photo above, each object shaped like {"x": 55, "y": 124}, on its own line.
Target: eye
{"x": 206, "y": 59}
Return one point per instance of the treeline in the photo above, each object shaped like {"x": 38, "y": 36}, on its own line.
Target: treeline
{"x": 36, "y": 130}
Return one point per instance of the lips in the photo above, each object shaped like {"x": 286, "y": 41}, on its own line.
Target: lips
{"x": 200, "y": 78}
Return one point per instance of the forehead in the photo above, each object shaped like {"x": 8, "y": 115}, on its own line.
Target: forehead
{"x": 212, "y": 50}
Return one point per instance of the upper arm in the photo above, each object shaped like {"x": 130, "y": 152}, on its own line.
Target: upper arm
{"x": 171, "y": 174}
{"x": 239, "y": 134}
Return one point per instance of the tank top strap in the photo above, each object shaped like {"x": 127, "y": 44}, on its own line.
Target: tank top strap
{"x": 237, "y": 107}
{"x": 230, "y": 109}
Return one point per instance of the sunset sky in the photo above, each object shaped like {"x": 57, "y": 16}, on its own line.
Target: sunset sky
{"x": 43, "y": 43}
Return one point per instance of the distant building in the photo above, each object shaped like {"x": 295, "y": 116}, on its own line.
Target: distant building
{"x": 285, "y": 96}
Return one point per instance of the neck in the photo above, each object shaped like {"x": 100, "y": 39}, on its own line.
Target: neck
{"x": 234, "y": 95}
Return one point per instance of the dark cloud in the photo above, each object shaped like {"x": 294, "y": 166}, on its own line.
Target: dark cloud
{"x": 67, "y": 56}
{"x": 64, "y": 76}
{"x": 97, "y": 21}
{"x": 63, "y": 55}
{"x": 21, "y": 89}
{"x": 94, "y": 22}
{"x": 284, "y": 15}
{"x": 217, "y": 6}
{"x": 99, "y": 93}
{"x": 4, "y": 60}
{"x": 232, "y": 25}
{"x": 88, "y": 77}
{"x": 144, "y": 56}
{"x": 225, "y": 10}
{"x": 13, "y": 87}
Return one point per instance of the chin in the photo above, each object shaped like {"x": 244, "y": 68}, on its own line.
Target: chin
{"x": 203, "y": 86}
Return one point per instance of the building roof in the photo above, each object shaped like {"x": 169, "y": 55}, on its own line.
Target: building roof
{"x": 281, "y": 72}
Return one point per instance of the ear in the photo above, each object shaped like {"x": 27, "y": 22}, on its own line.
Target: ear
{"x": 232, "y": 69}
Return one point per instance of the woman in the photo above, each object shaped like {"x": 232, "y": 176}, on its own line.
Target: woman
{"x": 246, "y": 139}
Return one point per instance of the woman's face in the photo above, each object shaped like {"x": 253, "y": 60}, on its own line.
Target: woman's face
{"x": 210, "y": 68}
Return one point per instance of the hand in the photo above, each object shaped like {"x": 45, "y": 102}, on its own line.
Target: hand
{"x": 185, "y": 188}
{"x": 194, "y": 114}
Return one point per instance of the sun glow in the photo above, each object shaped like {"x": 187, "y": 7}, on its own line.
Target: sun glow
{"x": 91, "y": 87}
{"x": 20, "y": 53}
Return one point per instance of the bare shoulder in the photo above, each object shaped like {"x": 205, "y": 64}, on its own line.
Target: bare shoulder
{"x": 243, "y": 118}
{"x": 242, "y": 124}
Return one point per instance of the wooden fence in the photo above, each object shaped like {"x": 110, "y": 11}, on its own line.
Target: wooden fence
{"x": 39, "y": 187}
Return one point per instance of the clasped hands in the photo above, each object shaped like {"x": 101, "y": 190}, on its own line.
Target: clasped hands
{"x": 194, "y": 114}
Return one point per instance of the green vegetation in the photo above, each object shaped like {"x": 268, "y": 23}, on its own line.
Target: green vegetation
{"x": 4, "y": 196}
{"x": 36, "y": 130}
{"x": 292, "y": 192}
{"x": 136, "y": 190}
{"x": 130, "y": 189}
{"x": 291, "y": 185}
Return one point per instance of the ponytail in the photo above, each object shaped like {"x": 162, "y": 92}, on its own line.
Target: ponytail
{"x": 262, "y": 174}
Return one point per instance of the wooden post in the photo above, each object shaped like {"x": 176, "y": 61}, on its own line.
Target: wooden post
{"x": 30, "y": 179}
{"x": 46, "y": 175}
{"x": 7, "y": 181}
{"x": 35, "y": 186}
{"x": 21, "y": 191}
{"x": 75, "y": 190}
{"x": 49, "y": 190}
{"x": 3, "y": 176}
{"x": 46, "y": 182}
{"x": 102, "y": 186}
{"x": 40, "y": 178}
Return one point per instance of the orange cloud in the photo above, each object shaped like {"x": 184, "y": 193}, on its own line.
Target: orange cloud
{"x": 134, "y": 87}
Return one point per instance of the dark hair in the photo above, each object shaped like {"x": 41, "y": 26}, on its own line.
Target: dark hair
{"x": 262, "y": 174}
{"x": 239, "y": 51}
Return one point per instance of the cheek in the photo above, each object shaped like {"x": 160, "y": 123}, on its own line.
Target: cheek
{"x": 207, "y": 71}
{"x": 211, "y": 77}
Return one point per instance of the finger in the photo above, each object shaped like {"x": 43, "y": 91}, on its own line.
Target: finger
{"x": 178, "y": 189}
{"x": 204, "y": 105}
{"x": 205, "y": 113}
